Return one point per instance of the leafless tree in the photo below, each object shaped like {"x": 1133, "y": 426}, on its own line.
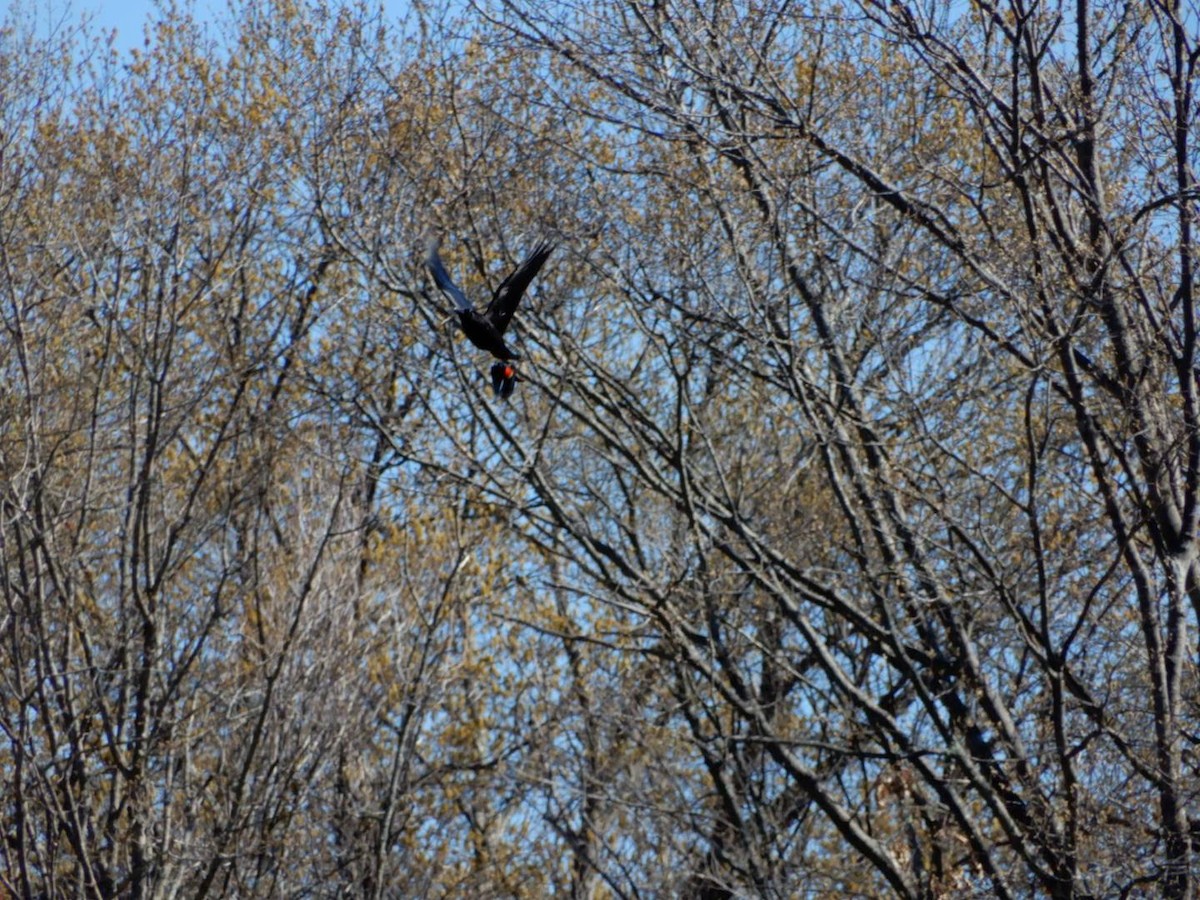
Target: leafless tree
{"x": 891, "y": 440}
{"x": 838, "y": 540}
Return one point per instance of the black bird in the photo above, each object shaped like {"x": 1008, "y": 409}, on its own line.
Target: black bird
{"x": 486, "y": 330}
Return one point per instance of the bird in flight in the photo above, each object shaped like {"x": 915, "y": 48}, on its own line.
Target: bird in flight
{"x": 486, "y": 330}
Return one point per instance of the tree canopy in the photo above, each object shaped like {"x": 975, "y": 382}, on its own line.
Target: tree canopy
{"x": 840, "y": 538}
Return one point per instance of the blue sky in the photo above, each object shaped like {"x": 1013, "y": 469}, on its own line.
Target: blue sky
{"x": 128, "y": 16}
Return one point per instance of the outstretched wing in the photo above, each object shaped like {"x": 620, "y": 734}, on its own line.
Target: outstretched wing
{"x": 512, "y": 289}
{"x": 442, "y": 279}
